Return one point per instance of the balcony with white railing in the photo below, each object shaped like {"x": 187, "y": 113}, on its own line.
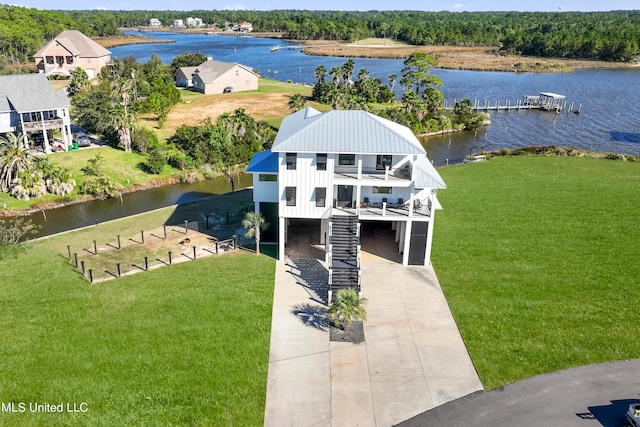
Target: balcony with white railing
{"x": 54, "y": 123}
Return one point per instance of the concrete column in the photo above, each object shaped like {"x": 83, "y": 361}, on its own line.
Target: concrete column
{"x": 256, "y": 207}
{"x": 323, "y": 231}
{"x": 401, "y": 236}
{"x": 397, "y": 226}
{"x": 427, "y": 249}
{"x": 359, "y": 160}
{"x": 358, "y": 198}
{"x": 281, "y": 238}
{"x": 407, "y": 242}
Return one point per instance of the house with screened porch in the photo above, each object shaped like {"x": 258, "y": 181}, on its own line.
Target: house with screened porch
{"x": 348, "y": 171}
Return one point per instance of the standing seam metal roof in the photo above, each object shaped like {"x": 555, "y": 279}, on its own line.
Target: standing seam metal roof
{"x": 344, "y": 131}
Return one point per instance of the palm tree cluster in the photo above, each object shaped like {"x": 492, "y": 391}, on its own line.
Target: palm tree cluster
{"x": 342, "y": 92}
{"x": 24, "y": 175}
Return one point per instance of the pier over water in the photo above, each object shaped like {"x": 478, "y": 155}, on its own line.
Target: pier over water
{"x": 546, "y": 101}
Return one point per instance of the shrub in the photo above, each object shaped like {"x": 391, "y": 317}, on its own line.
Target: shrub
{"x": 101, "y": 186}
{"x": 143, "y": 140}
{"x": 156, "y": 161}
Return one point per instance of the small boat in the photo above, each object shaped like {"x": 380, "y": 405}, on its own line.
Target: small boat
{"x": 211, "y": 33}
{"x": 275, "y": 49}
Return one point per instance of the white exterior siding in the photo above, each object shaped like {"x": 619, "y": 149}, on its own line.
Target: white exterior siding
{"x": 306, "y": 178}
{"x": 264, "y": 191}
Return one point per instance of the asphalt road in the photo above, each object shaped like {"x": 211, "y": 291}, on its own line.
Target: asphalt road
{"x": 594, "y": 395}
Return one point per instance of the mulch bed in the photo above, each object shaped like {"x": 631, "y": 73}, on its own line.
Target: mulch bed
{"x": 353, "y": 334}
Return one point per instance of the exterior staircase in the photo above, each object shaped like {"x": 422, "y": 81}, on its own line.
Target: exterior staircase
{"x": 344, "y": 253}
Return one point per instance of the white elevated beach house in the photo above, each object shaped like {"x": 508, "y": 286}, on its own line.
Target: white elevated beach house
{"x": 353, "y": 166}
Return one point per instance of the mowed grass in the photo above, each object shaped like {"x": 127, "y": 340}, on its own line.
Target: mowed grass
{"x": 538, "y": 259}
{"x": 186, "y": 344}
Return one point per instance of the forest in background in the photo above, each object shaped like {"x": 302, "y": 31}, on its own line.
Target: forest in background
{"x": 607, "y": 36}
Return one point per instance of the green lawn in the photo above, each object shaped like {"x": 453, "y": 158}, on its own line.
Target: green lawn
{"x": 186, "y": 344}
{"x": 538, "y": 258}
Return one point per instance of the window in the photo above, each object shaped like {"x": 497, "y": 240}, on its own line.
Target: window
{"x": 60, "y": 60}
{"x": 291, "y": 195}
{"x": 268, "y": 177}
{"x": 321, "y": 197}
{"x": 321, "y": 162}
{"x": 49, "y": 59}
{"x": 382, "y": 161}
{"x": 69, "y": 59}
{"x": 291, "y": 161}
{"x": 382, "y": 190}
{"x": 347, "y": 159}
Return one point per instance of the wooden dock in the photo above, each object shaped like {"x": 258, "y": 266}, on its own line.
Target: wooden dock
{"x": 545, "y": 102}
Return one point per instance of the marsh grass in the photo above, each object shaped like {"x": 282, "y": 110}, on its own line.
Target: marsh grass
{"x": 538, "y": 260}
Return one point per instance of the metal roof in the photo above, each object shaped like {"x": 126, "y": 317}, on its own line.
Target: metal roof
{"x": 29, "y": 92}
{"x": 552, "y": 95}
{"x": 263, "y": 162}
{"x": 426, "y": 175}
{"x": 344, "y": 131}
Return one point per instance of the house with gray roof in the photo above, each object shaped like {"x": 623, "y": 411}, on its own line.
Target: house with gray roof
{"x": 70, "y": 50}
{"x": 344, "y": 169}
{"x": 217, "y": 77}
{"x": 29, "y": 105}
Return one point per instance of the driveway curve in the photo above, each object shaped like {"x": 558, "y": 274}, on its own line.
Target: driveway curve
{"x": 593, "y": 395}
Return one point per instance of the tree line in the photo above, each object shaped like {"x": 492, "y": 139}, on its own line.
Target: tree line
{"x": 607, "y": 36}
{"x": 422, "y": 108}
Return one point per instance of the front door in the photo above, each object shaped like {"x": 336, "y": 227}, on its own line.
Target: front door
{"x": 345, "y": 196}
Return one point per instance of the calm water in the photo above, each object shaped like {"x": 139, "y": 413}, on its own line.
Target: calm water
{"x": 609, "y": 121}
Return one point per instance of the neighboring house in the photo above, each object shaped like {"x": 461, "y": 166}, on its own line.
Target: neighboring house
{"x": 69, "y": 50}
{"x": 217, "y": 77}
{"x": 195, "y": 22}
{"x": 29, "y": 105}
{"x": 155, "y": 22}
{"x": 177, "y": 23}
{"x": 351, "y": 163}
{"x": 244, "y": 27}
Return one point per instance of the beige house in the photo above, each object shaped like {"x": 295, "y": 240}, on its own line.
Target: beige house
{"x": 69, "y": 50}
{"x": 217, "y": 77}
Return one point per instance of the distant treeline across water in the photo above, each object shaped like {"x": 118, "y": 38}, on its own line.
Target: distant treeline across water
{"x": 608, "y": 36}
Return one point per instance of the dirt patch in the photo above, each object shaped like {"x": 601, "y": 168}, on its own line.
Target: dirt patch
{"x": 261, "y": 107}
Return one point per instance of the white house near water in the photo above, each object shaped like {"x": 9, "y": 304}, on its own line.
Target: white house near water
{"x": 353, "y": 164}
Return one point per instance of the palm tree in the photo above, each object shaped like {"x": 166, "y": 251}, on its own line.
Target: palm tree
{"x": 392, "y": 81}
{"x": 347, "y": 72}
{"x": 347, "y": 307}
{"x": 320, "y": 73}
{"x": 253, "y": 222}
{"x": 335, "y": 72}
{"x": 410, "y": 98}
{"x": 14, "y": 158}
{"x": 296, "y": 102}
{"x": 122, "y": 119}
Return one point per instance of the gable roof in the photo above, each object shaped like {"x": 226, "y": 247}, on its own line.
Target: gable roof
{"x": 344, "y": 131}
{"x": 212, "y": 69}
{"x": 29, "y": 92}
{"x": 77, "y": 44}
